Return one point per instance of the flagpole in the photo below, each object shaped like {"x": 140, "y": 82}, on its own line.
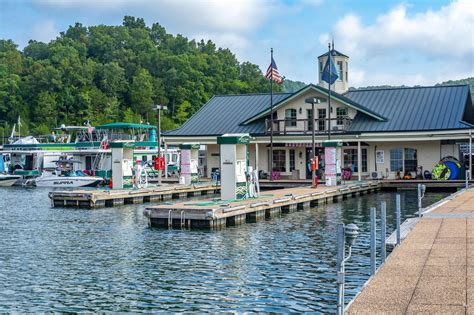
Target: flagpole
{"x": 329, "y": 93}
{"x": 271, "y": 117}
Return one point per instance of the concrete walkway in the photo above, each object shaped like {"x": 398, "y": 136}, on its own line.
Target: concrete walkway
{"x": 432, "y": 272}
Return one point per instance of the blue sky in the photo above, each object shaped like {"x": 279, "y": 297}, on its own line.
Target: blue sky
{"x": 388, "y": 42}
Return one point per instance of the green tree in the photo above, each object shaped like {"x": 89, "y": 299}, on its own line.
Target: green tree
{"x": 141, "y": 93}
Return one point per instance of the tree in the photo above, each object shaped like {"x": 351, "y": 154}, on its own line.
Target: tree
{"x": 141, "y": 93}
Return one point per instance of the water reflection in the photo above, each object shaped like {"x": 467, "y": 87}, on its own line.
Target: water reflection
{"x": 55, "y": 259}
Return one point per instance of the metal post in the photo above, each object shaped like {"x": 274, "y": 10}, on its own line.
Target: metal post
{"x": 421, "y": 195}
{"x": 373, "y": 239}
{"x": 383, "y": 231}
{"x": 467, "y": 179}
{"x": 470, "y": 154}
{"x": 159, "y": 143}
{"x": 271, "y": 118}
{"x": 340, "y": 268}
{"x": 329, "y": 93}
{"x": 314, "y": 143}
{"x": 166, "y": 159}
{"x": 359, "y": 161}
{"x": 398, "y": 215}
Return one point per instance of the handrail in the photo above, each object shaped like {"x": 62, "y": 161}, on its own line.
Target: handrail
{"x": 303, "y": 126}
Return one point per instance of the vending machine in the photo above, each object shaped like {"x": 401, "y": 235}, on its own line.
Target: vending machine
{"x": 234, "y": 165}
{"x": 189, "y": 163}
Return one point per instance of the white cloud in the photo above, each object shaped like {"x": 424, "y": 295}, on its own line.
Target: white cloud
{"x": 242, "y": 15}
{"x": 447, "y": 30}
{"x": 426, "y": 41}
{"x": 45, "y": 31}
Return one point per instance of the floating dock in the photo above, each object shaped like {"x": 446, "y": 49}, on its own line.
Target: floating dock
{"x": 110, "y": 198}
{"x": 432, "y": 271}
{"x": 215, "y": 214}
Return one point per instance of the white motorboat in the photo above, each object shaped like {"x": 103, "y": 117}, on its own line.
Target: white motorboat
{"x": 65, "y": 176}
{"x": 66, "y": 180}
{"x": 8, "y": 180}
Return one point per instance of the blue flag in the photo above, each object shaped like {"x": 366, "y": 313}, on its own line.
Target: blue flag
{"x": 329, "y": 68}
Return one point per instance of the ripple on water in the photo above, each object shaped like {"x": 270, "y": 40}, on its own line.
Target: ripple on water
{"x": 73, "y": 260}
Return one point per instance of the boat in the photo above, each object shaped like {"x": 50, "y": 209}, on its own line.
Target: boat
{"x": 8, "y": 180}
{"x": 66, "y": 177}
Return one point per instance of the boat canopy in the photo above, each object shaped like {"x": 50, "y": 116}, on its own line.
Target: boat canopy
{"x": 123, "y": 125}
{"x": 27, "y": 140}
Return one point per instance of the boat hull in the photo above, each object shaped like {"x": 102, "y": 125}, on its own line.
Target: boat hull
{"x": 68, "y": 181}
{"x": 7, "y": 181}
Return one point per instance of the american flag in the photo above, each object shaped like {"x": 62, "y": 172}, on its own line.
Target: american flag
{"x": 272, "y": 73}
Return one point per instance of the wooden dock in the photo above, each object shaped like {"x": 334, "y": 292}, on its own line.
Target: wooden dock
{"x": 215, "y": 214}
{"x": 432, "y": 271}
{"x": 99, "y": 198}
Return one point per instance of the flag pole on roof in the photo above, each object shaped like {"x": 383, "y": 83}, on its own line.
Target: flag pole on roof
{"x": 272, "y": 75}
{"x": 330, "y": 76}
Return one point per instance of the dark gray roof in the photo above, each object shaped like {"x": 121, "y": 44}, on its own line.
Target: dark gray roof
{"x": 224, "y": 113}
{"x": 403, "y": 109}
{"x": 334, "y": 53}
{"x": 334, "y": 95}
{"x": 413, "y": 109}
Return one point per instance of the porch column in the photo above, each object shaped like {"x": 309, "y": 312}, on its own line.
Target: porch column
{"x": 359, "y": 161}
{"x": 256, "y": 156}
{"x": 470, "y": 154}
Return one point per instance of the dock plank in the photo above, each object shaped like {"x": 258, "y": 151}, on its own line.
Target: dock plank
{"x": 431, "y": 271}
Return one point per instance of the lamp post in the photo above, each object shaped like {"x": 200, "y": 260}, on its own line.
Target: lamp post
{"x": 158, "y": 108}
{"x": 312, "y": 101}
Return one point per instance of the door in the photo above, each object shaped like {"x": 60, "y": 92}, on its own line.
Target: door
{"x": 309, "y": 156}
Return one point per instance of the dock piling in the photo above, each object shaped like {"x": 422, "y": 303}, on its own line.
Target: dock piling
{"x": 383, "y": 232}
{"x": 373, "y": 239}
{"x": 398, "y": 215}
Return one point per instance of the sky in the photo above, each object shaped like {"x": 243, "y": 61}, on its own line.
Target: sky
{"x": 389, "y": 42}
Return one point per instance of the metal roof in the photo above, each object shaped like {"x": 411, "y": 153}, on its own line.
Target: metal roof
{"x": 397, "y": 109}
{"x": 341, "y": 98}
{"x": 224, "y": 113}
{"x": 413, "y": 109}
{"x": 334, "y": 53}
{"x": 123, "y": 125}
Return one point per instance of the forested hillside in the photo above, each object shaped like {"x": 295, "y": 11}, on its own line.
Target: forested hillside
{"x": 111, "y": 73}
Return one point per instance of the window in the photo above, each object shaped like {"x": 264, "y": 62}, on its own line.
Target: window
{"x": 396, "y": 160}
{"x": 347, "y": 69}
{"x": 290, "y": 117}
{"x": 411, "y": 160}
{"x": 341, "y": 113}
{"x": 309, "y": 114}
{"x": 321, "y": 119}
{"x": 340, "y": 73}
{"x": 350, "y": 159}
{"x": 279, "y": 160}
{"x": 292, "y": 160}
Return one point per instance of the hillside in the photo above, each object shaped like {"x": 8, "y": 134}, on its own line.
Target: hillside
{"x": 115, "y": 73}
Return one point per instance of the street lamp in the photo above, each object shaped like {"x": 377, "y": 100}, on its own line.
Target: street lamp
{"x": 158, "y": 108}
{"x": 312, "y": 101}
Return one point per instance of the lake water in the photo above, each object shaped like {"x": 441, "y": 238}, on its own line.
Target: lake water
{"x": 71, "y": 260}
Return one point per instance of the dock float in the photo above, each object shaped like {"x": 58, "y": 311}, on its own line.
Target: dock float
{"x": 216, "y": 214}
{"x": 432, "y": 271}
{"x": 100, "y": 198}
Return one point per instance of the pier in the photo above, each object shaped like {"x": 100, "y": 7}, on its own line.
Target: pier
{"x": 432, "y": 271}
{"x": 115, "y": 197}
{"x": 215, "y": 214}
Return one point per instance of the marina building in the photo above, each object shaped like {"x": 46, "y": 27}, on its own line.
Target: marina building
{"x": 385, "y": 133}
